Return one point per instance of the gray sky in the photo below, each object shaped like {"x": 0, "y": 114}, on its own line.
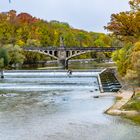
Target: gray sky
{"x": 90, "y": 15}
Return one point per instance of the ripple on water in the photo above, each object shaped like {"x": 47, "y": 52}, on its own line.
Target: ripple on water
{"x": 52, "y": 106}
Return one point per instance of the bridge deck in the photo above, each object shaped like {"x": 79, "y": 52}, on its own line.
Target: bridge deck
{"x": 72, "y": 48}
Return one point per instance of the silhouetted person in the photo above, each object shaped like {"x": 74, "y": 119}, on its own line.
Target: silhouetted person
{"x": 69, "y": 72}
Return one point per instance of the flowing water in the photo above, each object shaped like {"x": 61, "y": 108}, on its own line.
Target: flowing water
{"x": 55, "y": 106}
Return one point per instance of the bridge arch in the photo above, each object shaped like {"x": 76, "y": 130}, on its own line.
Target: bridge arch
{"x": 78, "y": 54}
{"x": 45, "y": 53}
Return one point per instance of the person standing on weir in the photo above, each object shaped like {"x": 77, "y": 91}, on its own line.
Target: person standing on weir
{"x": 69, "y": 72}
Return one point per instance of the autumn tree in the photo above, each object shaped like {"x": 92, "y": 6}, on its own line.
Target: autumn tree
{"x": 135, "y": 63}
{"x": 135, "y": 4}
{"x": 126, "y": 27}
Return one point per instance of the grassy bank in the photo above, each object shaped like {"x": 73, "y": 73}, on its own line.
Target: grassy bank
{"x": 133, "y": 104}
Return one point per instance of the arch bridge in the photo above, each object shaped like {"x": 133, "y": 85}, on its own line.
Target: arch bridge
{"x": 63, "y": 54}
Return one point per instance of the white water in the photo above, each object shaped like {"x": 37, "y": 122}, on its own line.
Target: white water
{"x": 53, "y": 106}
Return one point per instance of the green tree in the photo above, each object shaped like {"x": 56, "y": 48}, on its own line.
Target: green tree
{"x": 3, "y": 60}
{"x": 4, "y": 56}
{"x": 1, "y": 63}
{"x": 81, "y": 36}
{"x": 16, "y": 56}
{"x": 122, "y": 59}
{"x": 135, "y": 61}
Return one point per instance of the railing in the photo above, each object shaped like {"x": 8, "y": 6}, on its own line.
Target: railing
{"x": 72, "y": 48}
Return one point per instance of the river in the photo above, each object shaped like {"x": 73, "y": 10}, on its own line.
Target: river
{"x": 55, "y": 106}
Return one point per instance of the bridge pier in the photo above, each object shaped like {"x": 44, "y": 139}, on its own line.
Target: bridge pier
{"x": 63, "y": 63}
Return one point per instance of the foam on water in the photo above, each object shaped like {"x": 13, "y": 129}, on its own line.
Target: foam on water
{"x": 54, "y": 106}
{"x": 41, "y": 81}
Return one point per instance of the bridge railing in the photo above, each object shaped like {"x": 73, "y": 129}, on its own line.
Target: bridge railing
{"x": 72, "y": 48}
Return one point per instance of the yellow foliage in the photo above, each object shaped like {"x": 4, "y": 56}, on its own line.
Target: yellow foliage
{"x": 137, "y": 46}
{"x": 20, "y": 43}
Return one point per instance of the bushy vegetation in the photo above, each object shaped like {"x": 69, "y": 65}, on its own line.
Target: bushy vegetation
{"x": 134, "y": 104}
{"x": 4, "y": 59}
{"x": 126, "y": 27}
{"x": 11, "y": 55}
{"x": 135, "y": 119}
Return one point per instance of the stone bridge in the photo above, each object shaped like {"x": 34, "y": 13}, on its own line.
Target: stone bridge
{"x": 63, "y": 54}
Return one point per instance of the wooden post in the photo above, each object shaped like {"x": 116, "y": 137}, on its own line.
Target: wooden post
{"x": 2, "y": 74}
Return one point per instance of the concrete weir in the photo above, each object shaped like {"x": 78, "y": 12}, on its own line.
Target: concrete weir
{"x": 99, "y": 81}
{"x": 108, "y": 81}
{"x": 21, "y": 71}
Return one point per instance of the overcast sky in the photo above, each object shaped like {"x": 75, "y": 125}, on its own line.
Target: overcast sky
{"x": 90, "y": 15}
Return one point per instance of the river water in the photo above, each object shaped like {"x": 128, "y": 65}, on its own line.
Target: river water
{"x": 55, "y": 106}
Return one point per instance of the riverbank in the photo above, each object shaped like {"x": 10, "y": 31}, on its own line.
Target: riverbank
{"x": 127, "y": 105}
{"x": 86, "y": 64}
{"x": 133, "y": 105}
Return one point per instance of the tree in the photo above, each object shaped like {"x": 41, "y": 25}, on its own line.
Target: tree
{"x": 1, "y": 63}
{"x": 25, "y": 18}
{"x": 1, "y": 66}
{"x": 4, "y": 57}
{"x": 81, "y": 37}
{"x": 16, "y": 56}
{"x": 135, "y": 4}
{"x": 122, "y": 59}
{"x": 99, "y": 43}
{"x": 3, "y": 60}
{"x": 135, "y": 61}
{"x": 33, "y": 42}
{"x": 126, "y": 25}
